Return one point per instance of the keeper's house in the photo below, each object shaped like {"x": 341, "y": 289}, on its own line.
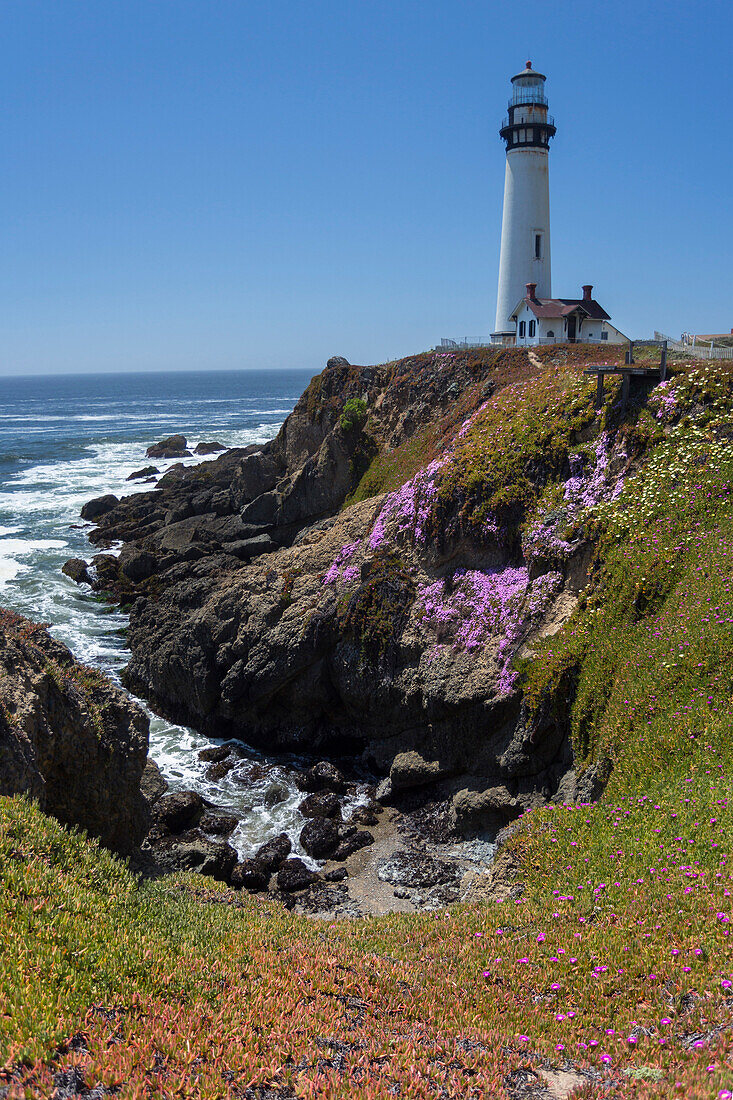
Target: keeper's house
{"x": 563, "y": 320}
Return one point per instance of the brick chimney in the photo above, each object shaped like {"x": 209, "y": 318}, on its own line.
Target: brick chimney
{"x": 588, "y": 292}
{"x": 531, "y": 291}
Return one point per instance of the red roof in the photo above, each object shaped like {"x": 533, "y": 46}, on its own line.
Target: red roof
{"x": 561, "y": 307}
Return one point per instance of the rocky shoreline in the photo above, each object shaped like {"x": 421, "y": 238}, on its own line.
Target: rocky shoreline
{"x": 279, "y": 599}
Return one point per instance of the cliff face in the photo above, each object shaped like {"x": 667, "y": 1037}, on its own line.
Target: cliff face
{"x": 264, "y": 608}
{"x": 69, "y": 738}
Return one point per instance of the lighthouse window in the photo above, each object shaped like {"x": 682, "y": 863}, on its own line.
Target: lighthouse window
{"x": 538, "y": 246}
{"x": 532, "y": 327}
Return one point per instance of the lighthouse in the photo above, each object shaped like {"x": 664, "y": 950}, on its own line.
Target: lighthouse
{"x": 525, "y": 229}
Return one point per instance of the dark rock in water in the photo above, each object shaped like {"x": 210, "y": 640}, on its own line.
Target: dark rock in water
{"x": 69, "y": 738}
{"x": 320, "y": 837}
{"x": 220, "y": 824}
{"x": 147, "y": 471}
{"x": 218, "y": 771}
{"x": 322, "y": 776}
{"x": 244, "y": 549}
{"x": 195, "y": 852}
{"x": 178, "y": 811}
{"x": 215, "y": 754}
{"x": 152, "y": 783}
{"x": 208, "y": 448}
{"x": 275, "y": 794}
{"x": 250, "y": 875}
{"x": 172, "y": 447}
{"x": 321, "y": 804}
{"x": 294, "y": 875}
{"x": 352, "y": 843}
{"x": 338, "y": 874}
{"x": 272, "y": 854}
{"x": 417, "y": 870}
{"x": 77, "y": 569}
{"x": 99, "y": 506}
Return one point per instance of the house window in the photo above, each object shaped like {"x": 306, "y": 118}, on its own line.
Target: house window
{"x": 551, "y": 333}
{"x": 538, "y": 246}
{"x": 522, "y": 329}
{"x": 532, "y": 328}
{"x": 604, "y": 336}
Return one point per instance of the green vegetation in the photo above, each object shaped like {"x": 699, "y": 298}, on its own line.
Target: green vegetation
{"x": 354, "y": 414}
{"x": 613, "y": 957}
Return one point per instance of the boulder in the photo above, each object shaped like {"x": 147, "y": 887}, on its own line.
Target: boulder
{"x": 409, "y": 769}
{"x": 147, "y": 471}
{"x": 215, "y": 753}
{"x": 417, "y": 870}
{"x": 250, "y": 875}
{"x": 321, "y": 804}
{"x": 218, "y": 823}
{"x": 152, "y": 783}
{"x": 178, "y": 811}
{"x": 337, "y": 361}
{"x": 77, "y": 569}
{"x": 208, "y": 448}
{"x": 476, "y": 809}
{"x": 136, "y": 564}
{"x": 195, "y": 852}
{"x": 244, "y": 549}
{"x": 338, "y": 874}
{"x": 273, "y": 854}
{"x": 320, "y": 837}
{"x": 99, "y": 506}
{"x": 294, "y": 875}
{"x": 322, "y": 776}
{"x": 352, "y": 843}
{"x": 219, "y": 770}
{"x": 174, "y": 446}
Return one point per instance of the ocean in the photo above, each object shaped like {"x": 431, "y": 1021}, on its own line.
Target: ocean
{"x": 67, "y": 439}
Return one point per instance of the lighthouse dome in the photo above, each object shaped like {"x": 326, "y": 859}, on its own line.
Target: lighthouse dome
{"x": 529, "y": 75}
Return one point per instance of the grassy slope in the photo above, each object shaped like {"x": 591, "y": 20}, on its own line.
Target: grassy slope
{"x": 616, "y": 958}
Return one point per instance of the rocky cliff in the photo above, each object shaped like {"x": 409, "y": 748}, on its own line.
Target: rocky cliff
{"x": 69, "y": 738}
{"x": 370, "y": 582}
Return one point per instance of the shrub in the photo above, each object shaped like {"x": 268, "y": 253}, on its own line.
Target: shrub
{"x": 354, "y": 414}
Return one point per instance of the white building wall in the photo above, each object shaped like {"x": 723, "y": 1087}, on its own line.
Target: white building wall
{"x": 526, "y": 213}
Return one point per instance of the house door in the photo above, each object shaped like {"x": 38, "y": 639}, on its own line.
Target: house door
{"x": 571, "y": 330}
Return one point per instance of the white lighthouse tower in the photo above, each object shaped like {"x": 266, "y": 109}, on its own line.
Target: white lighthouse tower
{"x": 525, "y": 229}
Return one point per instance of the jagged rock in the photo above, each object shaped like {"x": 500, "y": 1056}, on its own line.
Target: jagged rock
{"x": 219, "y": 770}
{"x": 77, "y": 569}
{"x": 216, "y": 753}
{"x": 294, "y": 875}
{"x": 195, "y": 852}
{"x": 364, "y": 815}
{"x": 352, "y": 843}
{"x": 384, "y": 790}
{"x": 99, "y": 506}
{"x": 337, "y": 361}
{"x": 338, "y": 874}
{"x": 322, "y": 776}
{"x": 147, "y": 471}
{"x": 174, "y": 446}
{"x": 417, "y": 870}
{"x": 217, "y": 823}
{"x": 178, "y": 811}
{"x": 320, "y": 837}
{"x": 409, "y": 769}
{"x": 273, "y": 853}
{"x": 69, "y": 738}
{"x": 208, "y": 448}
{"x": 152, "y": 783}
{"x": 321, "y": 804}
{"x": 138, "y": 565}
{"x": 250, "y": 875}
{"x": 244, "y": 549}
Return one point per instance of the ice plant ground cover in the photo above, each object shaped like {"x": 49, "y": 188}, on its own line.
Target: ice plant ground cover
{"x": 616, "y": 958}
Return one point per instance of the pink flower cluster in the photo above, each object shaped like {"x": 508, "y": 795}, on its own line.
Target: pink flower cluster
{"x": 665, "y": 399}
{"x": 485, "y": 606}
{"x": 337, "y": 571}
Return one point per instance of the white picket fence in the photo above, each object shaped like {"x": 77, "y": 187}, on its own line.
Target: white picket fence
{"x": 697, "y": 351}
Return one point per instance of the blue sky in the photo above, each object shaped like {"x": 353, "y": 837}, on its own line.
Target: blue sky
{"x": 192, "y": 184}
